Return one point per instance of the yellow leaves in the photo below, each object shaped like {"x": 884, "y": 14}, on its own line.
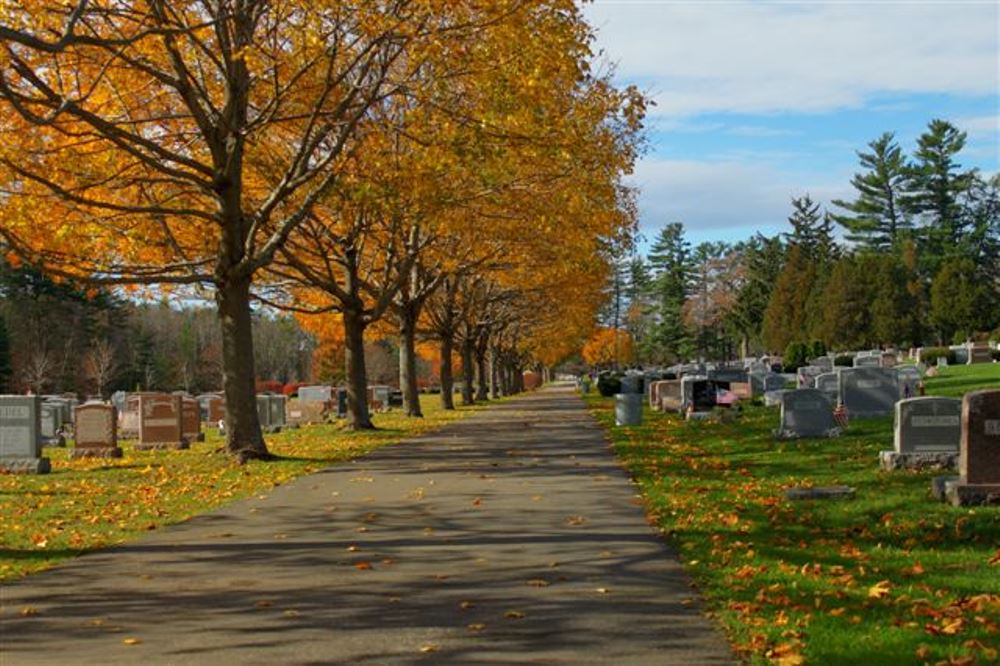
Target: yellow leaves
{"x": 132, "y": 641}
{"x": 476, "y": 627}
{"x": 879, "y": 590}
{"x": 514, "y": 615}
{"x": 28, "y": 611}
{"x": 538, "y": 582}
{"x": 428, "y": 648}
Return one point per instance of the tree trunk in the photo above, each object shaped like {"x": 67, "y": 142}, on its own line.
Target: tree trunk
{"x": 519, "y": 379}
{"x": 467, "y": 372}
{"x": 408, "y": 362}
{"x": 494, "y": 384}
{"x": 243, "y": 435}
{"x": 447, "y": 378}
{"x": 358, "y": 417}
{"x": 482, "y": 391}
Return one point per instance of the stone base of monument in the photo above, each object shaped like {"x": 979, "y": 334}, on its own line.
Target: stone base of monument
{"x": 270, "y": 430}
{"x": 25, "y": 465}
{"x": 59, "y": 441}
{"x": 820, "y": 492}
{"x": 960, "y": 493}
{"x": 938, "y": 484}
{"x": 95, "y": 452}
{"x": 792, "y": 434}
{"x": 161, "y": 446}
{"x": 891, "y": 461}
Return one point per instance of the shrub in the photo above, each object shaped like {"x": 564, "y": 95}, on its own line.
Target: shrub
{"x": 930, "y": 355}
{"x": 817, "y": 348}
{"x": 995, "y": 354}
{"x": 609, "y": 385}
{"x": 796, "y": 355}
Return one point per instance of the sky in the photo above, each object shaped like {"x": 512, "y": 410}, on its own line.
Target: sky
{"x": 757, "y": 102}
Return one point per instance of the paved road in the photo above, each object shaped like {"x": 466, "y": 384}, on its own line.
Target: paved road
{"x": 510, "y": 537}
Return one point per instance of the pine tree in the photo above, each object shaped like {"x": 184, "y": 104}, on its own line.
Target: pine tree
{"x": 876, "y": 219}
{"x": 956, "y": 301}
{"x": 807, "y": 223}
{"x": 763, "y": 259}
{"x": 785, "y": 317}
{"x": 891, "y": 302}
{"x": 670, "y": 260}
{"x": 936, "y": 186}
{"x": 845, "y": 306}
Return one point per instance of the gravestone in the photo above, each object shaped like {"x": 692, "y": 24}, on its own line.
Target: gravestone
{"x": 764, "y": 382}
{"x": 378, "y": 397}
{"x": 867, "y": 361}
{"x": 773, "y": 398}
{"x": 980, "y": 353}
{"x": 909, "y": 381}
{"x": 341, "y": 403}
{"x": 868, "y": 392}
{"x": 827, "y": 383}
{"x": 315, "y": 393}
{"x": 671, "y": 395}
{"x": 979, "y": 451}
{"x": 52, "y": 423}
{"x": 927, "y": 432}
{"x": 887, "y": 360}
{"x": 21, "y": 435}
{"x": 631, "y": 384}
{"x": 742, "y": 390}
{"x": 307, "y": 412}
{"x": 213, "y": 408}
{"x": 823, "y": 362}
{"x": 697, "y": 392}
{"x": 160, "y": 422}
{"x": 628, "y": 409}
{"x": 118, "y": 400}
{"x": 806, "y": 376}
{"x": 961, "y": 354}
{"x": 806, "y": 413}
{"x": 726, "y": 376}
{"x": 96, "y": 432}
{"x": 278, "y": 405}
{"x": 191, "y": 420}
{"x": 265, "y": 414}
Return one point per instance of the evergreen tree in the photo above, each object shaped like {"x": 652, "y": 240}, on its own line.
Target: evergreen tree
{"x": 845, "y": 306}
{"x": 763, "y": 259}
{"x": 876, "y": 219}
{"x": 936, "y": 186}
{"x": 891, "y": 303}
{"x": 785, "y": 317}
{"x": 807, "y": 225}
{"x": 670, "y": 260}
{"x": 956, "y": 301}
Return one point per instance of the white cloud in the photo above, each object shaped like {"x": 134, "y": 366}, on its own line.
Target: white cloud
{"x": 808, "y": 57}
{"x": 725, "y": 199}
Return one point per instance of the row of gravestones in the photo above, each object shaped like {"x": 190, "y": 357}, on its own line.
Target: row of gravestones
{"x": 967, "y": 354}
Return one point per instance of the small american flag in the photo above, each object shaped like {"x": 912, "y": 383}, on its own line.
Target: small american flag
{"x": 840, "y": 415}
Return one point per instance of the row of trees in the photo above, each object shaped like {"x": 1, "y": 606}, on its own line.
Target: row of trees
{"x": 450, "y": 170}
{"x": 918, "y": 263}
{"x": 56, "y": 337}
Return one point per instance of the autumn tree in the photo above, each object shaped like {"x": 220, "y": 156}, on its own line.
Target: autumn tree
{"x": 181, "y": 144}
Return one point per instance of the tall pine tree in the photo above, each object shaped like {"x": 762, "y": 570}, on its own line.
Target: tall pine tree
{"x": 876, "y": 218}
{"x": 670, "y": 259}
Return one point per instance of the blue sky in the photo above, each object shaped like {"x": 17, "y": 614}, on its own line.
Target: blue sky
{"x": 757, "y": 102}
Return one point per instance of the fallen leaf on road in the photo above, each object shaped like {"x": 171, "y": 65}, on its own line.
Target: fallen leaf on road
{"x": 29, "y": 611}
{"x": 478, "y": 626}
{"x": 132, "y": 641}
{"x": 466, "y": 605}
{"x": 291, "y": 612}
{"x": 394, "y": 600}
{"x": 477, "y": 502}
{"x": 576, "y": 520}
{"x": 428, "y": 648}
{"x": 602, "y": 590}
{"x": 514, "y": 615}
{"x": 538, "y": 582}
{"x": 352, "y": 549}
{"x": 264, "y": 603}
{"x": 362, "y": 566}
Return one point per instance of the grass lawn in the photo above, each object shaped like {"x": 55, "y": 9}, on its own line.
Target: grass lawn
{"x": 889, "y": 577}
{"x": 84, "y": 505}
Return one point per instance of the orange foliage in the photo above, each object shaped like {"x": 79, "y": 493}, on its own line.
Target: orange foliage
{"x": 607, "y": 345}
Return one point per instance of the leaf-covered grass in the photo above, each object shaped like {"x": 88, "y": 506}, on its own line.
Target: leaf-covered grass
{"x": 889, "y": 577}
{"x": 85, "y": 504}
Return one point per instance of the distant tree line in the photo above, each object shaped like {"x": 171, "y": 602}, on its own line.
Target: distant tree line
{"x": 57, "y": 337}
{"x": 916, "y": 262}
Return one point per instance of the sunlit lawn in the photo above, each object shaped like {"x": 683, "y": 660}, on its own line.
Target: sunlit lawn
{"x": 88, "y": 504}
{"x": 889, "y": 577}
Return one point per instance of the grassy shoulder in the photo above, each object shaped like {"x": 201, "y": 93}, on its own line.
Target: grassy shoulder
{"x": 889, "y": 577}
{"x": 85, "y": 505}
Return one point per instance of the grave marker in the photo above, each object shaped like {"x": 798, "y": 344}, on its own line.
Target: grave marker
{"x": 96, "y": 432}
{"x": 21, "y": 435}
{"x": 52, "y": 423}
{"x": 979, "y": 451}
{"x": 191, "y": 420}
{"x": 806, "y": 413}
{"x": 927, "y": 432}
{"x": 868, "y": 391}
{"x": 160, "y": 422}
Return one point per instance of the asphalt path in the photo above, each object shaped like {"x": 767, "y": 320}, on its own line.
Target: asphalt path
{"x": 510, "y": 537}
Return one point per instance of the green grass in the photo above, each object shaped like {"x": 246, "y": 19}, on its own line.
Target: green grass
{"x": 889, "y": 577}
{"x": 85, "y": 505}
